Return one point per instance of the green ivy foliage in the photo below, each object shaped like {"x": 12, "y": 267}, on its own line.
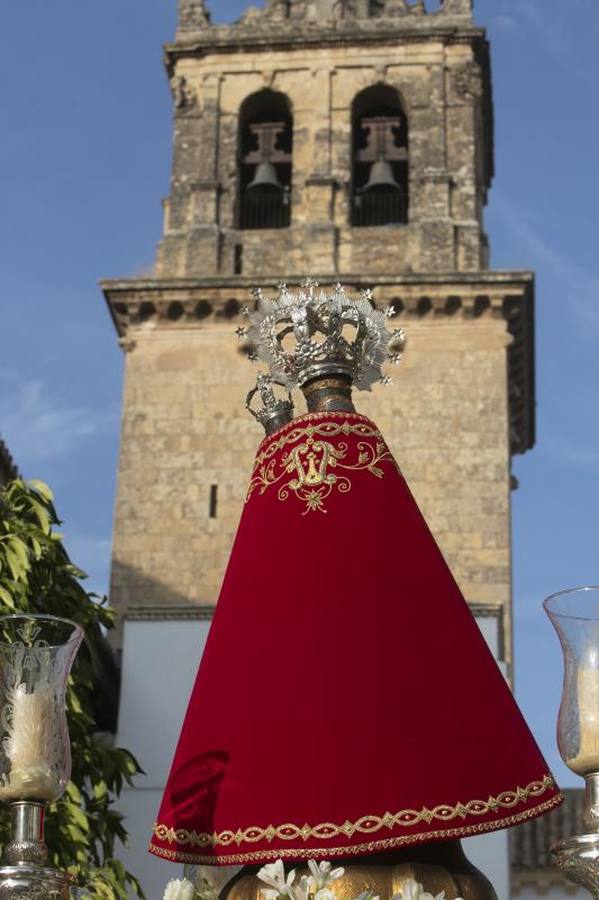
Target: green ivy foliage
{"x": 36, "y": 576}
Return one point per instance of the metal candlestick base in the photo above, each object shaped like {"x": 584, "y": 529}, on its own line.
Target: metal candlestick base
{"x": 26, "y": 877}
{"x": 34, "y": 883}
{"x": 578, "y": 859}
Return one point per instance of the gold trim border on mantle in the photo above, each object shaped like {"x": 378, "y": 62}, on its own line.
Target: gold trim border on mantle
{"x": 364, "y": 825}
{"x": 361, "y": 424}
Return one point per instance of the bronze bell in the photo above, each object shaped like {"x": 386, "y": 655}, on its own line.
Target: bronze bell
{"x": 381, "y": 178}
{"x": 265, "y": 178}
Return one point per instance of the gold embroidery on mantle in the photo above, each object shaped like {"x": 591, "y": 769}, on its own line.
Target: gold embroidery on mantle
{"x": 403, "y": 840}
{"x": 365, "y": 825}
{"x": 310, "y": 464}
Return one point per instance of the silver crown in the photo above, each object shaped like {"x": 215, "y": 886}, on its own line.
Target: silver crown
{"x": 307, "y": 332}
{"x": 272, "y": 408}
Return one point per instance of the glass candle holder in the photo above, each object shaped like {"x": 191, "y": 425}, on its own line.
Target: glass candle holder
{"x": 575, "y": 616}
{"x": 36, "y": 655}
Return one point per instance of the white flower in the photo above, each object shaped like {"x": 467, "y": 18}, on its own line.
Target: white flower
{"x": 274, "y": 876}
{"x": 322, "y": 875}
{"x": 412, "y": 890}
{"x": 302, "y": 890}
{"x": 179, "y": 889}
{"x": 324, "y": 894}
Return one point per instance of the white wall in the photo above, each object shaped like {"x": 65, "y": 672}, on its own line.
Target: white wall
{"x": 160, "y": 660}
{"x": 490, "y": 854}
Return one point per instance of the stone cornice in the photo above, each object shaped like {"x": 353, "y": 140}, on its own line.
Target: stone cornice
{"x": 486, "y": 610}
{"x": 287, "y": 36}
{"x": 169, "y": 613}
{"x": 137, "y": 305}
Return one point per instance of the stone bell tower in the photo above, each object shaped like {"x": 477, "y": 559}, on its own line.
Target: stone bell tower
{"x": 349, "y": 140}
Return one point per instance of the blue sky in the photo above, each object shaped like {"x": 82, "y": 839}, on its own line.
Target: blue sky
{"x": 84, "y": 161}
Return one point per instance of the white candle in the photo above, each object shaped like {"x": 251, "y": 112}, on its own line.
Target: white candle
{"x": 33, "y": 745}
{"x": 587, "y": 758}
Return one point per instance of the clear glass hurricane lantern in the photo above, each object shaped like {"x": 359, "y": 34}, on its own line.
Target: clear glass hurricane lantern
{"x": 575, "y": 616}
{"x": 36, "y": 655}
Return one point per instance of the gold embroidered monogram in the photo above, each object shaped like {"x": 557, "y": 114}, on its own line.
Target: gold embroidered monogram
{"x": 367, "y": 824}
{"x": 315, "y": 467}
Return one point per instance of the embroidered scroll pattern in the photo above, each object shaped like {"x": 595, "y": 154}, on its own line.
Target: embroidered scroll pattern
{"x": 365, "y": 825}
{"x": 314, "y": 467}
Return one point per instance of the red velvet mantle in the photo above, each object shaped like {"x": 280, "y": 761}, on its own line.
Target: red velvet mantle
{"x": 346, "y": 702}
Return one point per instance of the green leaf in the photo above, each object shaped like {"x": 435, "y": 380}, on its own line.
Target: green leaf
{"x": 100, "y": 790}
{"x": 73, "y": 792}
{"x": 42, "y": 516}
{"x": 79, "y": 817}
{"x": 37, "y": 548}
{"x": 6, "y": 598}
{"x": 42, "y": 489}
{"x": 12, "y": 560}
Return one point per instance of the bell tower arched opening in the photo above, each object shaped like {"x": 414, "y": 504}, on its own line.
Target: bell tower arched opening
{"x": 379, "y": 184}
{"x": 265, "y": 161}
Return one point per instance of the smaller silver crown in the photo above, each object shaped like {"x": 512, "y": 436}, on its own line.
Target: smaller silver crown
{"x": 274, "y": 412}
{"x": 305, "y": 333}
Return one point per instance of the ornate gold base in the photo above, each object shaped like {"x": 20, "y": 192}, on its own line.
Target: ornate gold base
{"x": 438, "y": 867}
{"x": 578, "y": 859}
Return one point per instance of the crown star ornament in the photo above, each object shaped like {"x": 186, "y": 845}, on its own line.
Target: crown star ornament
{"x": 310, "y": 331}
